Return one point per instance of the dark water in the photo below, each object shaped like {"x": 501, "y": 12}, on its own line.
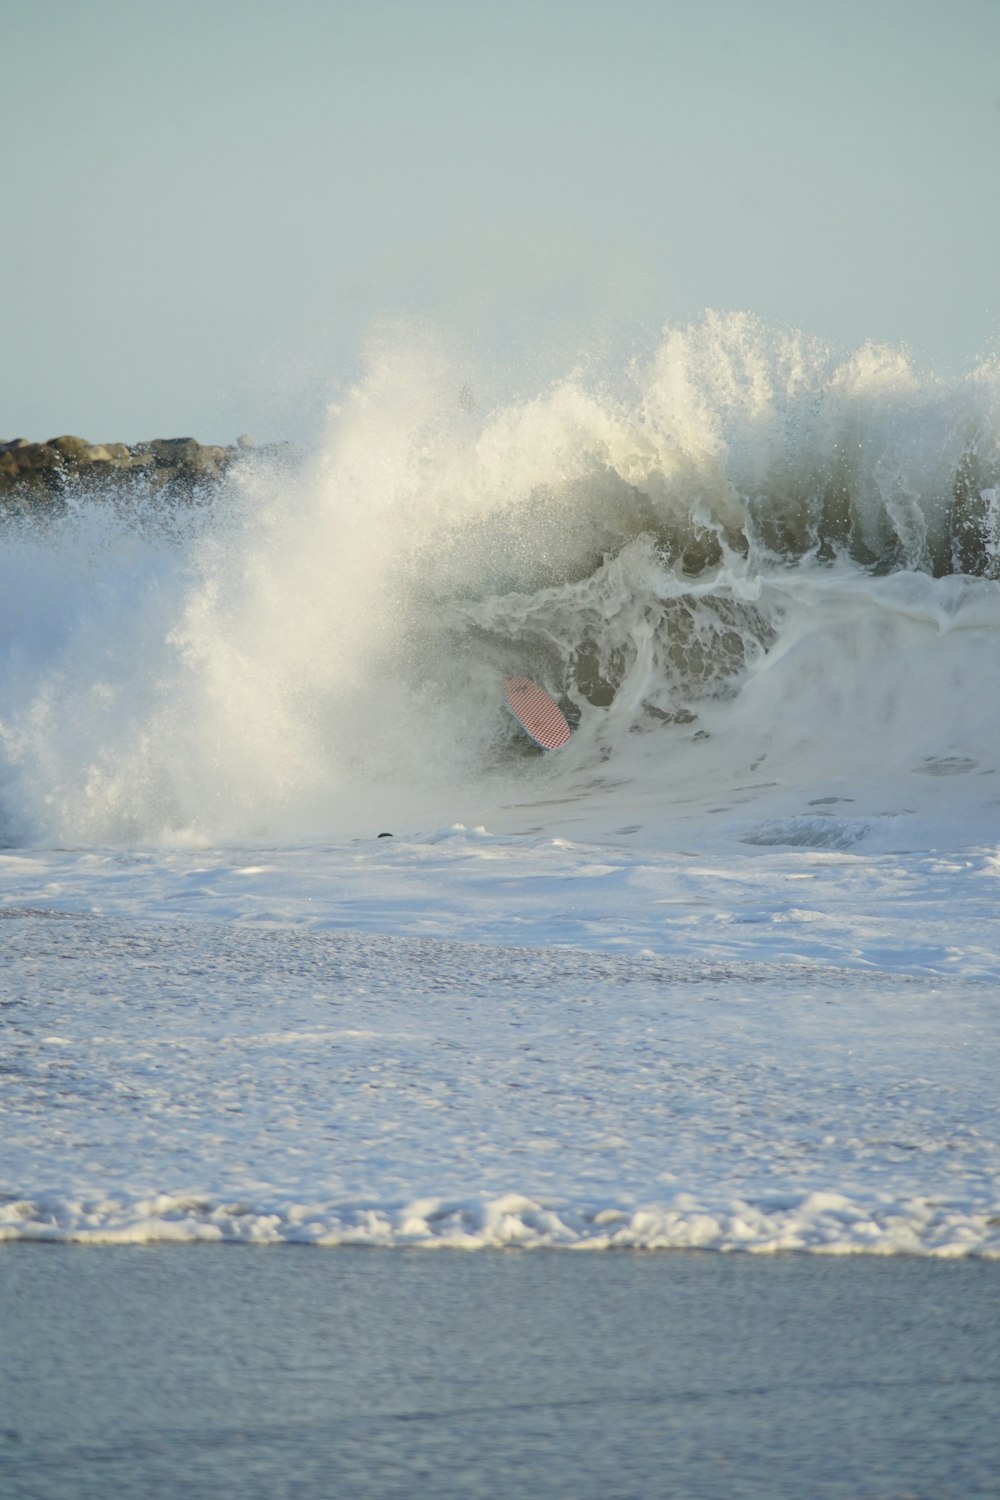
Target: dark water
{"x": 223, "y": 1371}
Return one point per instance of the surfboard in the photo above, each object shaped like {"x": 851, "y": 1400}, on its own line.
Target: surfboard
{"x": 539, "y": 716}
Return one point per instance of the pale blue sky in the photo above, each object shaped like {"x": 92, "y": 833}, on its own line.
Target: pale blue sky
{"x": 206, "y": 204}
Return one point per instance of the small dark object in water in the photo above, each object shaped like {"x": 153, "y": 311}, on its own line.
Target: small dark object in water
{"x": 385, "y": 835}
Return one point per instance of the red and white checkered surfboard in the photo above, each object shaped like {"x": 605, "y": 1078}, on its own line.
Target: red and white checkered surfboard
{"x": 538, "y": 715}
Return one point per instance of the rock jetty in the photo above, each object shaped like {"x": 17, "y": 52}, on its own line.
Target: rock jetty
{"x": 40, "y": 476}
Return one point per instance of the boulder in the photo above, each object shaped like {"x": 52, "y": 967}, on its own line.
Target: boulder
{"x": 207, "y": 463}
{"x": 70, "y": 449}
{"x": 163, "y": 477}
{"x": 172, "y": 452}
{"x": 37, "y": 475}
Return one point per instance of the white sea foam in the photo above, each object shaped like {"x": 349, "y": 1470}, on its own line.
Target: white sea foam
{"x": 723, "y": 972}
{"x": 725, "y": 1067}
{"x": 823, "y": 1223}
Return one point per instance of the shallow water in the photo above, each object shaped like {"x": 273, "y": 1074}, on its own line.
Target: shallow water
{"x": 213, "y": 1370}
{"x": 721, "y": 973}
{"x": 182, "y": 1079}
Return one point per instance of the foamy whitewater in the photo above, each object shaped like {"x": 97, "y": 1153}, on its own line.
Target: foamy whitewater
{"x": 722, "y": 973}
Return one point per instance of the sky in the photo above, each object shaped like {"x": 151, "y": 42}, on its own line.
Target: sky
{"x": 209, "y": 206}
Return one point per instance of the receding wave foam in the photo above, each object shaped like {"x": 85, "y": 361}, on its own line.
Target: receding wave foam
{"x": 748, "y": 537}
{"x": 829, "y": 1223}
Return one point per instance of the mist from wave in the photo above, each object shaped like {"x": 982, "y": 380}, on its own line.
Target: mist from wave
{"x": 746, "y": 548}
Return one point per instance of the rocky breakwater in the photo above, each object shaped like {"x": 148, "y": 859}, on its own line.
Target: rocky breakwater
{"x": 41, "y": 477}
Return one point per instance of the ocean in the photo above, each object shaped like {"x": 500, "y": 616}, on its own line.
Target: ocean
{"x": 302, "y": 942}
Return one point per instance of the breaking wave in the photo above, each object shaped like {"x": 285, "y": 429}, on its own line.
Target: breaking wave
{"x": 747, "y": 537}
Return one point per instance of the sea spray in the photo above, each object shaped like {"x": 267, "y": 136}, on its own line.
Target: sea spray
{"x": 749, "y": 546}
